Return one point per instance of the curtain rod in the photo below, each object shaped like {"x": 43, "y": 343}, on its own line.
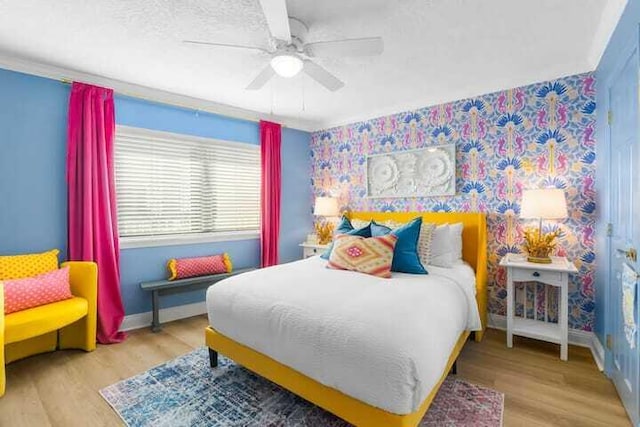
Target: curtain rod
{"x": 69, "y": 82}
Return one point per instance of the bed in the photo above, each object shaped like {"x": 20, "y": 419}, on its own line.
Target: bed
{"x": 351, "y": 343}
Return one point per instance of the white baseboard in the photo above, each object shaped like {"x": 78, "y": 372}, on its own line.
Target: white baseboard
{"x": 169, "y": 314}
{"x": 576, "y": 337}
{"x": 598, "y": 352}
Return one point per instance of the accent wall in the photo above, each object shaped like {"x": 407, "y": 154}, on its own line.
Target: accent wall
{"x": 536, "y": 136}
{"x": 33, "y": 123}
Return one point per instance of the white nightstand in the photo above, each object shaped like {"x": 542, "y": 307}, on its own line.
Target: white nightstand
{"x": 312, "y": 249}
{"x": 555, "y": 274}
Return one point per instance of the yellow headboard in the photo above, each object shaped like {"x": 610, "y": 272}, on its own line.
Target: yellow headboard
{"x": 474, "y": 244}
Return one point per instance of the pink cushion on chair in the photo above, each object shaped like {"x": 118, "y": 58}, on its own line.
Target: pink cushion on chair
{"x": 21, "y": 294}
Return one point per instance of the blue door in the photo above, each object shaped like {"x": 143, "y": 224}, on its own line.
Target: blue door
{"x": 624, "y": 196}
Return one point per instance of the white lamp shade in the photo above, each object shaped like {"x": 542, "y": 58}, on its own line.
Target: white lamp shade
{"x": 326, "y": 206}
{"x": 546, "y": 203}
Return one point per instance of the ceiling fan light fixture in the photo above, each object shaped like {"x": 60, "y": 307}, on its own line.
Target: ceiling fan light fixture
{"x": 286, "y": 64}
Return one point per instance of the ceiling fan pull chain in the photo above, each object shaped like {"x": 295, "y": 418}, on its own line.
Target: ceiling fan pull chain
{"x": 271, "y": 111}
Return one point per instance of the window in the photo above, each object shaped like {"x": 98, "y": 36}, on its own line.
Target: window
{"x": 179, "y": 189}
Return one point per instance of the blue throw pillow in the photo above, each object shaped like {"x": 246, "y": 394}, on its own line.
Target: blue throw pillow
{"x": 405, "y": 254}
{"x": 364, "y": 232}
{"x": 379, "y": 229}
{"x": 344, "y": 227}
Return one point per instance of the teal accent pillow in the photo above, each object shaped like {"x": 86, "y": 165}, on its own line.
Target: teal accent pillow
{"x": 344, "y": 227}
{"x": 364, "y": 232}
{"x": 405, "y": 254}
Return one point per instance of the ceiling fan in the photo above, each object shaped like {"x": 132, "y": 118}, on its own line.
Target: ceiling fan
{"x": 292, "y": 55}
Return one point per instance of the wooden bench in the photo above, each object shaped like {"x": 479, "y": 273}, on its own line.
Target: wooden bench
{"x": 160, "y": 288}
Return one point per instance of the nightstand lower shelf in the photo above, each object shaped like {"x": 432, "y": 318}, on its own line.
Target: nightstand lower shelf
{"x": 537, "y": 329}
{"x": 556, "y": 275}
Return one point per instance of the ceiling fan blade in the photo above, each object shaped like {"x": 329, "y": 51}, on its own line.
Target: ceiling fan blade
{"x": 322, "y": 76}
{"x": 262, "y": 78}
{"x": 235, "y": 46}
{"x": 349, "y": 47}
{"x": 275, "y": 11}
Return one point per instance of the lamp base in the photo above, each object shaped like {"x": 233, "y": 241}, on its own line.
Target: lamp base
{"x": 324, "y": 231}
{"x": 539, "y": 246}
{"x": 539, "y": 260}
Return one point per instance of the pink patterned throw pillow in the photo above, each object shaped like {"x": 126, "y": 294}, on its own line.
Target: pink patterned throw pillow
{"x": 183, "y": 268}
{"x": 372, "y": 255}
{"x": 21, "y": 294}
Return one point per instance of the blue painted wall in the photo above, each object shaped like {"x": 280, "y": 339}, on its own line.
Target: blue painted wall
{"x": 33, "y": 116}
{"x": 33, "y": 197}
{"x": 625, "y": 34}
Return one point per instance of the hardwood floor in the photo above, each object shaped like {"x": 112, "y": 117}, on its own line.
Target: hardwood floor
{"x": 61, "y": 388}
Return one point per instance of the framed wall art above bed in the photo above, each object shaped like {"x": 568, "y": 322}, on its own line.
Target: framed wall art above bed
{"x": 413, "y": 173}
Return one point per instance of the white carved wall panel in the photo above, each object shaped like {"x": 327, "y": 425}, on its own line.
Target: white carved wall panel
{"x": 414, "y": 173}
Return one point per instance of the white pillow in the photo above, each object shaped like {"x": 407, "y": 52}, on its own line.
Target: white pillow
{"x": 442, "y": 247}
{"x": 446, "y": 245}
{"x": 456, "y": 237}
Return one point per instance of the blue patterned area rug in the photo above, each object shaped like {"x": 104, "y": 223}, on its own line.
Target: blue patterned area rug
{"x": 187, "y": 392}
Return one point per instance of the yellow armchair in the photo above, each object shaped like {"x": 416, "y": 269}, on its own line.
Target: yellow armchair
{"x": 61, "y": 325}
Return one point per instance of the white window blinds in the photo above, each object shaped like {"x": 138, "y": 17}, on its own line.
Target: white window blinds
{"x": 170, "y": 184}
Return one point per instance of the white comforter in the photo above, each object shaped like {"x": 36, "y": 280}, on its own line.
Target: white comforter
{"x": 382, "y": 341}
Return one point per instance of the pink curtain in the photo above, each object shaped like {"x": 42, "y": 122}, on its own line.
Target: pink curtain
{"x": 270, "y": 140}
{"x": 93, "y": 225}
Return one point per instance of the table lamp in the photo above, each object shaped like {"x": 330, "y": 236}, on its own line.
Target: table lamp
{"x": 546, "y": 203}
{"x": 324, "y": 208}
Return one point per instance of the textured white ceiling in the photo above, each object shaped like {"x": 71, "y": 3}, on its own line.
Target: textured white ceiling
{"x": 435, "y": 50}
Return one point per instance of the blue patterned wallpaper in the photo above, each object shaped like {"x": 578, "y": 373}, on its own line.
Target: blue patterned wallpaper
{"x": 541, "y": 135}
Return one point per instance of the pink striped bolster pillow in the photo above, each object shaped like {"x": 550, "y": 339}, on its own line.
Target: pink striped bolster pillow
{"x": 29, "y": 292}
{"x": 183, "y": 268}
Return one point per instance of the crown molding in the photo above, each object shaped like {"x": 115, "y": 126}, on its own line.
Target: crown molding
{"x": 417, "y": 105}
{"x": 41, "y": 69}
{"x": 611, "y": 14}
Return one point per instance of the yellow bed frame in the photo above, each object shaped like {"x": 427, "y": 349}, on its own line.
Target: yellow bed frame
{"x": 474, "y": 251}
